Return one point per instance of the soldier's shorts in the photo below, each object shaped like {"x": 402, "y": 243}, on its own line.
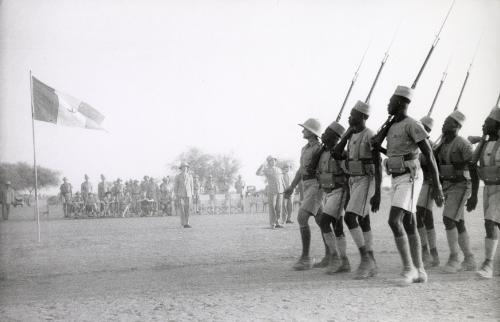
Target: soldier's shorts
{"x": 455, "y": 197}
{"x": 405, "y": 191}
{"x": 334, "y": 203}
{"x": 313, "y": 196}
{"x": 491, "y": 203}
{"x": 425, "y": 197}
{"x": 361, "y": 188}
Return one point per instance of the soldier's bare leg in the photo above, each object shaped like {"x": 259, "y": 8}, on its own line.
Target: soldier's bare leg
{"x": 341, "y": 245}
{"x": 305, "y": 262}
{"x": 469, "y": 263}
{"x": 325, "y": 222}
{"x": 365, "y": 264}
{"x": 396, "y": 215}
{"x": 453, "y": 265}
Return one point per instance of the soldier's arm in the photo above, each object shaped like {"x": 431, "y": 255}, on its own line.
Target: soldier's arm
{"x": 426, "y": 149}
{"x": 338, "y": 150}
{"x": 472, "y": 202}
{"x": 375, "y": 202}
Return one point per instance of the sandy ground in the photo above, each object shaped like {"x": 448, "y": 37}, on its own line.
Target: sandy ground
{"x": 227, "y": 267}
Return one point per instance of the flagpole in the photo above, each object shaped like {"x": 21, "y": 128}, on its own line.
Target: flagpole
{"x": 37, "y": 213}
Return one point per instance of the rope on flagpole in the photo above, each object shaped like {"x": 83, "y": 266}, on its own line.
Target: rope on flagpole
{"x": 37, "y": 213}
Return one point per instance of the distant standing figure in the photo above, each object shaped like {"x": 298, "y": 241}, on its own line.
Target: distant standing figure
{"x": 183, "y": 192}
{"x": 196, "y": 193}
{"x": 240, "y": 186}
{"x": 287, "y": 203}
{"x": 66, "y": 191}
{"x": 7, "y": 198}
{"x": 86, "y": 188}
{"x": 275, "y": 188}
{"x": 102, "y": 189}
{"x": 211, "y": 189}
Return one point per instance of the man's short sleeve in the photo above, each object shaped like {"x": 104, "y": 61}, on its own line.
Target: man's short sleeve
{"x": 466, "y": 149}
{"x": 416, "y": 131}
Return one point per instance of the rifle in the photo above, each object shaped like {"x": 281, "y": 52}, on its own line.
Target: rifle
{"x": 443, "y": 78}
{"x": 382, "y": 131}
{"x": 353, "y": 81}
{"x": 382, "y": 64}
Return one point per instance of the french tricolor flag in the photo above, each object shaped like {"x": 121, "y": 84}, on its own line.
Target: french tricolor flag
{"x": 53, "y": 106}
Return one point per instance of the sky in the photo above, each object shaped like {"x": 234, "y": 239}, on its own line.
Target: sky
{"x": 228, "y": 76}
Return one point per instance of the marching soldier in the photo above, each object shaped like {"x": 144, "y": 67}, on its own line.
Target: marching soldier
{"x": 405, "y": 136}
{"x": 86, "y": 188}
{"x": 183, "y": 192}
{"x": 425, "y": 204}
{"x": 488, "y": 153}
{"x": 7, "y": 196}
{"x": 363, "y": 165}
{"x": 333, "y": 181}
{"x": 460, "y": 186}
{"x": 287, "y": 202}
{"x": 313, "y": 196}
{"x": 275, "y": 188}
{"x": 66, "y": 191}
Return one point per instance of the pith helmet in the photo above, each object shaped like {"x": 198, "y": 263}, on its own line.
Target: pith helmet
{"x": 458, "y": 116}
{"x": 337, "y": 128}
{"x": 427, "y": 121}
{"x": 495, "y": 114}
{"x": 312, "y": 125}
{"x": 362, "y": 107}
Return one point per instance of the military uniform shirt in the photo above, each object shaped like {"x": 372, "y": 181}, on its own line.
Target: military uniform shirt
{"x": 403, "y": 136}
{"x": 359, "y": 146}
{"x": 306, "y": 156}
{"x": 461, "y": 151}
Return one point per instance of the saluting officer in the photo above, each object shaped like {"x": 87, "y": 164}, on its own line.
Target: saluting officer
{"x": 66, "y": 191}
{"x": 488, "y": 153}
{"x": 425, "y": 204}
{"x": 274, "y": 189}
{"x": 313, "y": 196}
{"x": 333, "y": 181}
{"x": 460, "y": 186}
{"x": 405, "y": 136}
{"x": 363, "y": 166}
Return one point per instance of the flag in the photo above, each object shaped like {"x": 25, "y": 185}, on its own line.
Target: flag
{"x": 53, "y": 106}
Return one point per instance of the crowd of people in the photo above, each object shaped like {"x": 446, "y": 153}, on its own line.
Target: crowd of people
{"x": 148, "y": 198}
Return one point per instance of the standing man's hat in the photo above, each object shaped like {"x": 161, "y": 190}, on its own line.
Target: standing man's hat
{"x": 7, "y": 183}
{"x": 337, "y": 128}
{"x": 65, "y": 179}
{"x": 495, "y": 114}
{"x": 427, "y": 121}
{"x": 86, "y": 176}
{"x": 404, "y": 91}
{"x": 458, "y": 116}
{"x": 270, "y": 157}
{"x": 183, "y": 165}
{"x": 312, "y": 125}
{"x": 362, "y": 107}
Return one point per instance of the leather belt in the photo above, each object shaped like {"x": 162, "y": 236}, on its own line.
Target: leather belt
{"x": 308, "y": 177}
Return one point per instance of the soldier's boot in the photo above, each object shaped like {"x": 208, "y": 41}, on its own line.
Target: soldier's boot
{"x": 304, "y": 263}
{"x": 326, "y": 259}
{"x": 364, "y": 267}
{"x": 374, "y": 268}
{"x": 469, "y": 263}
{"x": 435, "y": 258}
{"x": 490, "y": 248}
{"x": 416, "y": 255}
{"x": 333, "y": 265}
{"x": 453, "y": 265}
{"x": 345, "y": 265}
{"x": 342, "y": 247}
{"x": 409, "y": 272}
{"x": 431, "y": 244}
{"x": 426, "y": 256}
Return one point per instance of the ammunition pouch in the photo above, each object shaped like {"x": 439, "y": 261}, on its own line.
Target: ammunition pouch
{"x": 450, "y": 173}
{"x": 490, "y": 175}
{"x": 401, "y": 164}
{"x": 356, "y": 168}
{"x": 331, "y": 181}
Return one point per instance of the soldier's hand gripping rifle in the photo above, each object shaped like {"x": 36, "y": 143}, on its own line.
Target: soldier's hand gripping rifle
{"x": 382, "y": 132}
{"x": 482, "y": 142}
